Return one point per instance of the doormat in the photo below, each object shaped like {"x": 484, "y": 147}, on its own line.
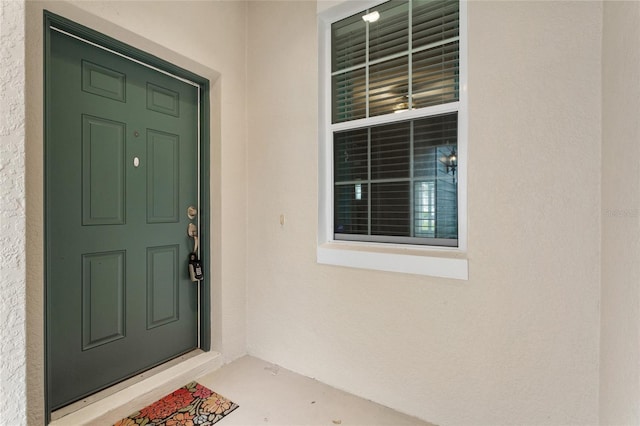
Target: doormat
{"x": 191, "y": 405}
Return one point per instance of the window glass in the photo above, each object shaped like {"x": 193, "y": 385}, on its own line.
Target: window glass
{"x": 390, "y": 151}
{"x": 372, "y": 74}
{"x": 409, "y": 169}
{"x": 397, "y": 181}
{"x": 351, "y": 211}
{"x": 435, "y": 76}
{"x": 388, "y": 87}
{"x": 348, "y": 43}
{"x": 389, "y": 35}
{"x": 350, "y": 155}
{"x": 390, "y": 207}
{"x": 349, "y": 95}
{"x": 434, "y": 21}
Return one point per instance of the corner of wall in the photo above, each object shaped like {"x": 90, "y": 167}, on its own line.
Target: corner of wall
{"x": 13, "y": 366}
{"x": 619, "y": 375}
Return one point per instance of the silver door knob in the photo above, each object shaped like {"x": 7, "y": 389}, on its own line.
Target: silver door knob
{"x": 192, "y": 212}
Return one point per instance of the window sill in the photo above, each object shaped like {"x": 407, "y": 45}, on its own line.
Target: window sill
{"x": 434, "y": 262}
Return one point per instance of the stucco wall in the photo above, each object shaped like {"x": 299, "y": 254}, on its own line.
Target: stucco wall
{"x": 12, "y": 216}
{"x": 518, "y": 342}
{"x": 620, "y": 336}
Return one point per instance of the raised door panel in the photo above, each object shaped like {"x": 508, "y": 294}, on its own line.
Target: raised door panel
{"x": 103, "y": 298}
{"x": 162, "y": 285}
{"x": 103, "y": 81}
{"x": 163, "y": 172}
{"x": 163, "y": 100}
{"x": 103, "y": 172}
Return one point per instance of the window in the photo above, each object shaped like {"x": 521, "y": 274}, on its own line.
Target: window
{"x": 394, "y": 178}
{"x": 393, "y": 130}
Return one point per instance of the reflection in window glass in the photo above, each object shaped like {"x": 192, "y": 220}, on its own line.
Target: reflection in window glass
{"x": 425, "y": 209}
{"x": 397, "y": 180}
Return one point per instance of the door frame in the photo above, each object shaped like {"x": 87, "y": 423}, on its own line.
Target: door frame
{"x": 146, "y": 59}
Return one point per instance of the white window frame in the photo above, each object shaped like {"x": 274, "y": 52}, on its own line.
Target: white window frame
{"x": 445, "y": 262}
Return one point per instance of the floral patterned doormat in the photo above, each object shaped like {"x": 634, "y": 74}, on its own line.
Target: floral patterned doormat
{"x": 192, "y": 405}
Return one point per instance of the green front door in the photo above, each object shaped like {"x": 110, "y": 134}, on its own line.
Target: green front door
{"x": 121, "y": 171}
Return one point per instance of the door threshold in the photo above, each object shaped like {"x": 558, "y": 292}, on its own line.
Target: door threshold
{"x": 119, "y": 401}
{"x": 95, "y": 397}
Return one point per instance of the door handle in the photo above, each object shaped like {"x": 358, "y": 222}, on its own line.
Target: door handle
{"x": 195, "y": 266}
{"x": 192, "y": 231}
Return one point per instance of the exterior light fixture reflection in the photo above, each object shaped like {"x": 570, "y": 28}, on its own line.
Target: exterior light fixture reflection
{"x": 451, "y": 164}
{"x": 371, "y": 17}
{"x": 358, "y": 191}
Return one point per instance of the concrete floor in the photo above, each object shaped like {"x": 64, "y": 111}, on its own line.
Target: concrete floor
{"x": 270, "y": 395}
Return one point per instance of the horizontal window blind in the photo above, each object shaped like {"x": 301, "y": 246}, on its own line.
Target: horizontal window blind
{"x": 388, "y": 86}
{"x": 390, "y": 151}
{"x": 434, "y": 22}
{"x": 389, "y": 35}
{"x": 435, "y": 76}
{"x": 349, "y": 95}
{"x": 407, "y": 59}
{"x": 396, "y": 182}
{"x": 348, "y": 43}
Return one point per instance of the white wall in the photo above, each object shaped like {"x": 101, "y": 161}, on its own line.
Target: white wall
{"x": 13, "y": 404}
{"x": 516, "y": 344}
{"x": 620, "y": 338}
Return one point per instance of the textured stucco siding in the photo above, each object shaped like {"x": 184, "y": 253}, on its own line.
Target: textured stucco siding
{"x": 516, "y": 344}
{"x": 12, "y": 211}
